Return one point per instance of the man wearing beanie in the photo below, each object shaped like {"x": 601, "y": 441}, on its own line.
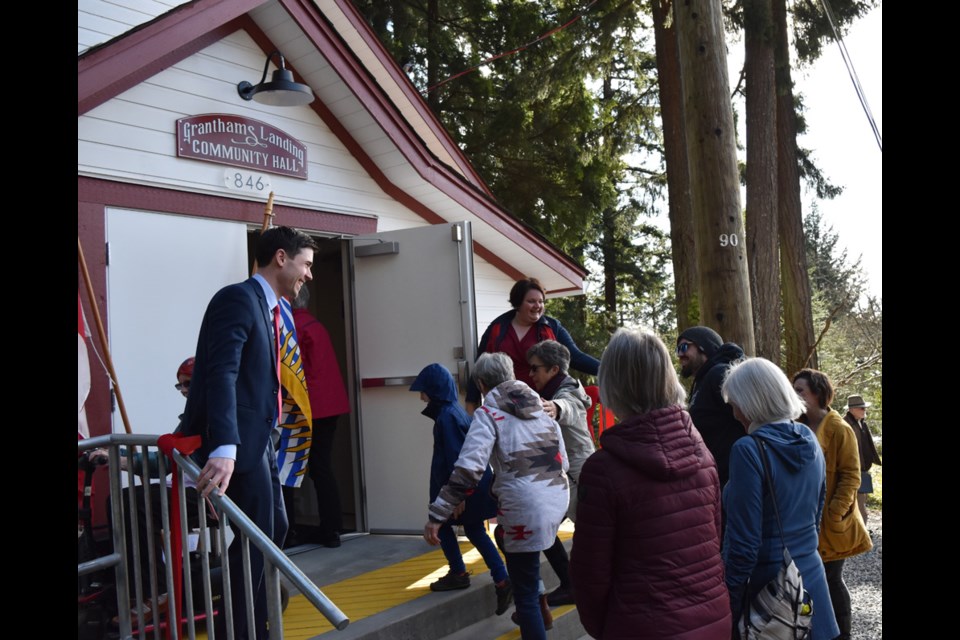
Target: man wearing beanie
{"x": 704, "y": 355}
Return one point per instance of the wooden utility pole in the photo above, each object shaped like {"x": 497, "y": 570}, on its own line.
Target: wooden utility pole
{"x": 715, "y": 187}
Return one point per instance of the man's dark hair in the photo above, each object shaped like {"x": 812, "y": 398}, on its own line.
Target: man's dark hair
{"x": 819, "y": 384}
{"x": 286, "y": 238}
{"x": 520, "y": 289}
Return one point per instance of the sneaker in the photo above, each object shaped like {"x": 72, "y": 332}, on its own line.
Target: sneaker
{"x": 451, "y": 582}
{"x": 504, "y": 596}
{"x": 559, "y": 597}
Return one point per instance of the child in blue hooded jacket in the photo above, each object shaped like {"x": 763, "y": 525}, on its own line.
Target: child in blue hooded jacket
{"x": 450, "y": 425}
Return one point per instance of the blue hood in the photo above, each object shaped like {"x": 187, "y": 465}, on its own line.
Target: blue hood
{"x": 790, "y": 442}
{"x": 437, "y": 383}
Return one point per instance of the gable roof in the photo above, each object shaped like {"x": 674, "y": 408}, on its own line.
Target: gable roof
{"x": 363, "y": 96}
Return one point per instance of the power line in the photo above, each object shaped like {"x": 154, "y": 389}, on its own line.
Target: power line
{"x": 544, "y": 36}
{"x": 852, "y": 72}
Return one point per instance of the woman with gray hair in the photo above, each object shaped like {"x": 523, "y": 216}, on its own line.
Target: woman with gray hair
{"x": 646, "y": 551}
{"x": 765, "y": 403}
{"x": 565, "y": 401}
{"x": 511, "y": 432}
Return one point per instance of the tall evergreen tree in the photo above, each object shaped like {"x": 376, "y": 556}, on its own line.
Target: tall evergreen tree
{"x": 711, "y": 153}
{"x": 550, "y": 127}
{"x": 767, "y": 39}
{"x": 682, "y": 244}
{"x": 761, "y": 174}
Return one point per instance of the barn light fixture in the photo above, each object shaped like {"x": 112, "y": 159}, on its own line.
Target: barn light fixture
{"x": 282, "y": 91}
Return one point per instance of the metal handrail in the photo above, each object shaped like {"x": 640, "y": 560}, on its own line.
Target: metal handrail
{"x": 275, "y": 561}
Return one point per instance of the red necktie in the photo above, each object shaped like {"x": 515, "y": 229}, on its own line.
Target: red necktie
{"x": 276, "y": 333}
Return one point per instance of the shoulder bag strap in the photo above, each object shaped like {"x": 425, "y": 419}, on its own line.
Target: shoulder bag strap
{"x": 766, "y": 474}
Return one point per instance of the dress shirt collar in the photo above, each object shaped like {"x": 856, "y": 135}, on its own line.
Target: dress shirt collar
{"x": 268, "y": 292}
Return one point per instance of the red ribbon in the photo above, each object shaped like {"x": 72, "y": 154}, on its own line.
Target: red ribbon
{"x": 185, "y": 445}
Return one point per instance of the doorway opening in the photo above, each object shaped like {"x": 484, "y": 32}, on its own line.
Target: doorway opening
{"x": 328, "y": 305}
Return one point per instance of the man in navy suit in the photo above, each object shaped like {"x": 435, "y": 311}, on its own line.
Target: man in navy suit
{"x": 233, "y": 402}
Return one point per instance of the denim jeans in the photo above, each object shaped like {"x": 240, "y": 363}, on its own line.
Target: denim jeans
{"x": 477, "y": 535}
{"x": 524, "y": 569}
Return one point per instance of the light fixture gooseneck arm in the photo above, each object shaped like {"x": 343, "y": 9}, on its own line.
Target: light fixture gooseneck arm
{"x": 266, "y": 65}
{"x": 282, "y": 90}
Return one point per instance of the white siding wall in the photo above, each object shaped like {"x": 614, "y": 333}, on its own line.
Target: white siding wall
{"x": 99, "y": 21}
{"x": 492, "y": 289}
{"x": 132, "y": 137}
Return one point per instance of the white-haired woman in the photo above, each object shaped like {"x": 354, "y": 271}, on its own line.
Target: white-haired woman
{"x": 646, "y": 551}
{"x": 524, "y": 445}
{"x": 764, "y": 401}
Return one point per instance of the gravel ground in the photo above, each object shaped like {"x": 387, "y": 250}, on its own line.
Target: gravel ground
{"x": 864, "y": 577}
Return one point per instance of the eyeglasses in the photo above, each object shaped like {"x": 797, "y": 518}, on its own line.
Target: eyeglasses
{"x": 536, "y": 367}
{"x": 683, "y": 346}
{"x": 180, "y": 386}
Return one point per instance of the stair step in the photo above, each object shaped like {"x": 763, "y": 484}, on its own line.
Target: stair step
{"x": 566, "y": 626}
{"x": 433, "y": 615}
{"x": 466, "y": 614}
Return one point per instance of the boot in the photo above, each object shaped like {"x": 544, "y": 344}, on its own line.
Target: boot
{"x": 545, "y": 612}
{"x": 844, "y": 622}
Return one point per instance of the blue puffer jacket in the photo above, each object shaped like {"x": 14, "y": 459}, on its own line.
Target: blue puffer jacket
{"x": 450, "y": 427}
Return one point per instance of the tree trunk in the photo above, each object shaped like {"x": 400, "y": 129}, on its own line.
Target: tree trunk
{"x": 715, "y": 187}
{"x": 608, "y": 250}
{"x": 682, "y": 243}
{"x": 794, "y": 280}
{"x": 762, "y": 225}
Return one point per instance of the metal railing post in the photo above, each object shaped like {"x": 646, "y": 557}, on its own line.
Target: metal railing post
{"x": 275, "y": 562}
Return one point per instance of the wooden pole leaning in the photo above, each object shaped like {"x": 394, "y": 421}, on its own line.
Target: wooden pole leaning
{"x": 267, "y": 220}
{"x": 103, "y": 336}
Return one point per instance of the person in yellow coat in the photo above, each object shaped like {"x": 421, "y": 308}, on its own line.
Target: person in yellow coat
{"x": 842, "y": 531}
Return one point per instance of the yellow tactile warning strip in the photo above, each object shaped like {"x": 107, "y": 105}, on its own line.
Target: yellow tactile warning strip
{"x": 558, "y": 613}
{"x": 373, "y": 592}
{"x": 370, "y": 593}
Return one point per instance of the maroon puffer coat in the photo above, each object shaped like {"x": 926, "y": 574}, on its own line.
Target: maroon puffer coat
{"x": 646, "y": 551}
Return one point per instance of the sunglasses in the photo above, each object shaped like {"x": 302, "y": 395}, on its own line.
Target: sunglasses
{"x": 180, "y": 386}
{"x": 683, "y": 347}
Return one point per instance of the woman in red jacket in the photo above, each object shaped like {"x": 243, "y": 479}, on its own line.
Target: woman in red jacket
{"x": 515, "y": 331}
{"x": 646, "y": 551}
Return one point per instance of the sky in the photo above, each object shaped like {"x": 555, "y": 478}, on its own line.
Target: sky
{"x": 843, "y": 144}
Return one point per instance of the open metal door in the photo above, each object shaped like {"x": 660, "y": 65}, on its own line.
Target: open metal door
{"x": 414, "y": 304}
